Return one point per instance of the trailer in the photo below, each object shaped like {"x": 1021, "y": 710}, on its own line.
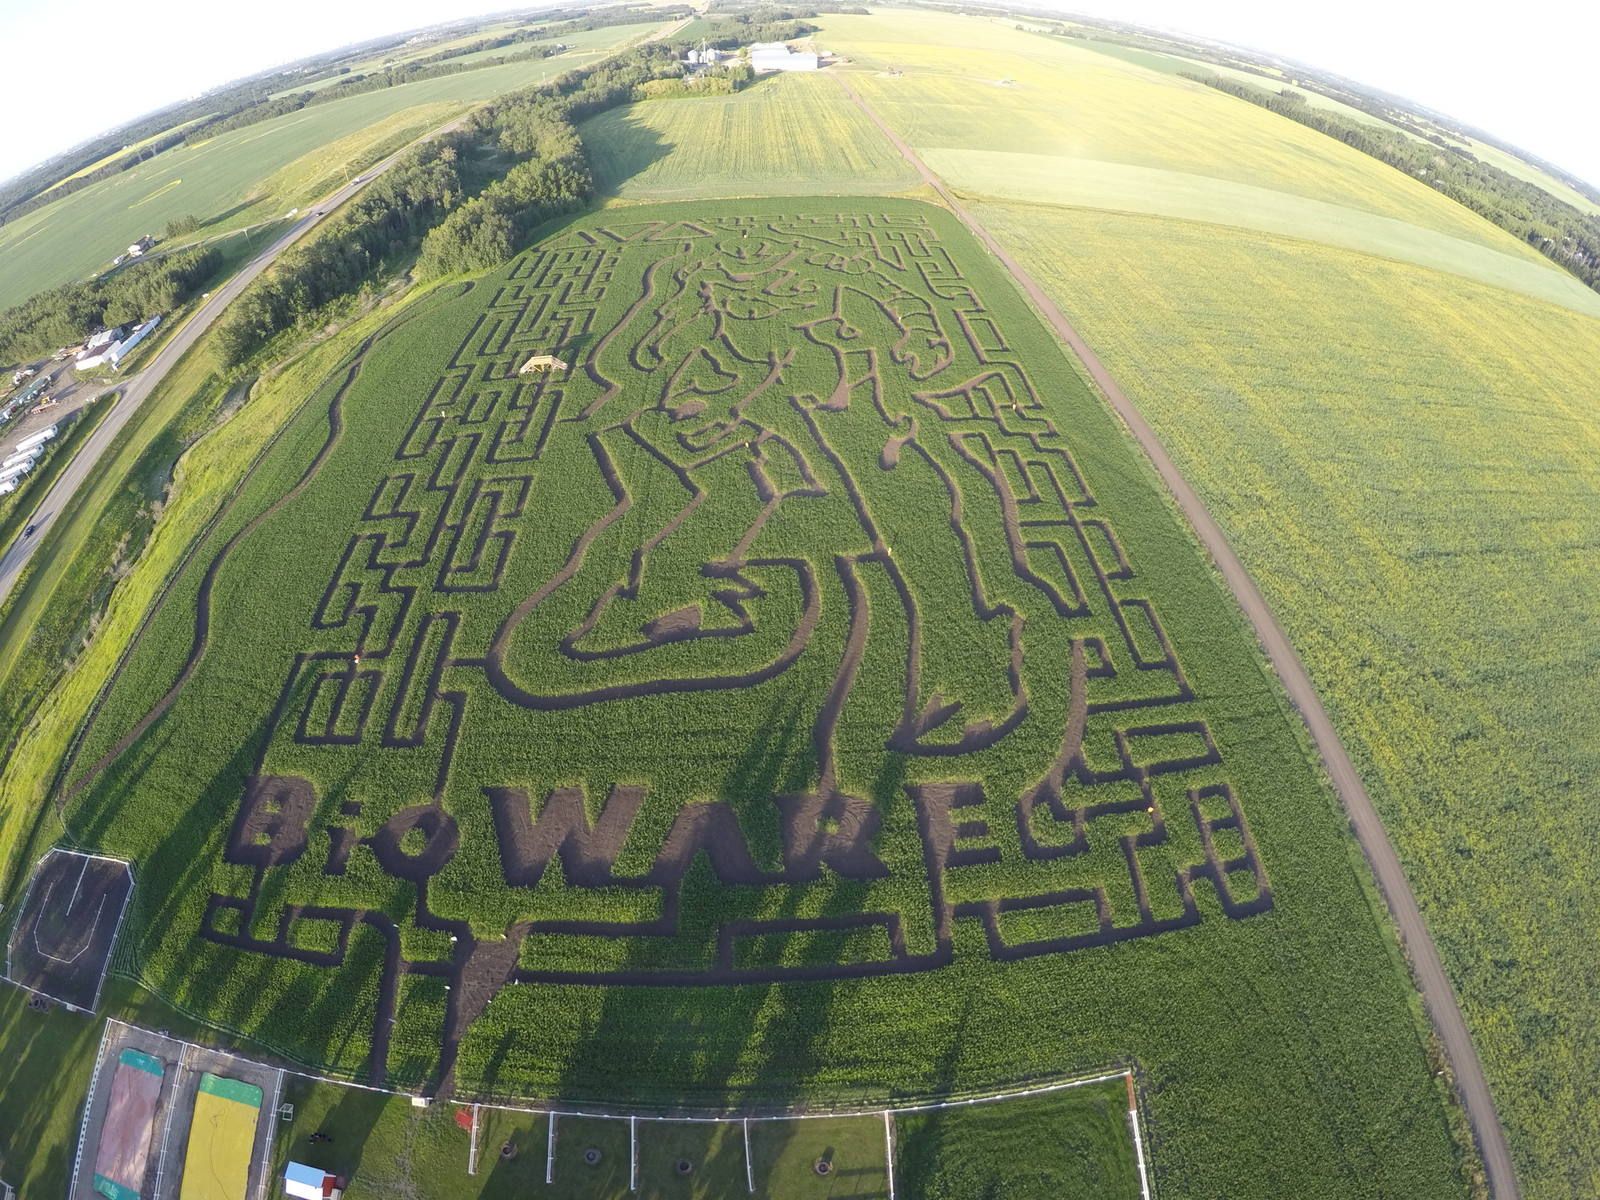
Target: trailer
{"x": 35, "y": 439}
{"x": 16, "y": 472}
{"x": 25, "y": 456}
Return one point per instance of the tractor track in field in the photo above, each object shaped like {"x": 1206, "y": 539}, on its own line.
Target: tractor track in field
{"x": 1437, "y": 993}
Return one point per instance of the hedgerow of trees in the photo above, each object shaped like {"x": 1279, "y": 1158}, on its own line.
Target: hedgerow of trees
{"x": 432, "y": 204}
{"x": 67, "y": 314}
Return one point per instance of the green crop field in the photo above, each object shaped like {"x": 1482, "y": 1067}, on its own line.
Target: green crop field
{"x": 1417, "y": 498}
{"x": 249, "y": 174}
{"x": 1073, "y": 1145}
{"x": 788, "y": 134}
{"x": 807, "y": 696}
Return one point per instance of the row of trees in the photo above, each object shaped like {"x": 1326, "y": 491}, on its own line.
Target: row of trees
{"x": 1555, "y": 228}
{"x": 67, "y": 314}
{"x": 384, "y": 223}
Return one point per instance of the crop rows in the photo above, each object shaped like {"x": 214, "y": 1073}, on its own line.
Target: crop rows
{"x": 744, "y": 711}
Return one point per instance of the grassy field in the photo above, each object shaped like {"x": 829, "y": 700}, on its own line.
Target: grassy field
{"x": 1073, "y": 1144}
{"x": 382, "y": 1145}
{"x": 1007, "y": 114}
{"x": 849, "y": 616}
{"x": 789, "y": 134}
{"x": 1410, "y": 474}
{"x": 246, "y": 175}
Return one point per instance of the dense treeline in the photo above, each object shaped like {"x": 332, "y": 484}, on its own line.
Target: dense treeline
{"x": 552, "y": 175}
{"x": 67, "y": 314}
{"x": 1556, "y": 229}
{"x": 386, "y": 220}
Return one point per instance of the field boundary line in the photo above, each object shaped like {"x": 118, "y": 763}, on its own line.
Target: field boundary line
{"x": 116, "y": 929}
{"x": 88, "y": 1107}
{"x": 272, "y": 1137}
{"x": 888, "y": 1150}
{"x": 550, "y": 1150}
{"x": 1138, "y": 1142}
{"x": 749, "y": 1164}
{"x": 556, "y": 1108}
{"x": 1427, "y": 968}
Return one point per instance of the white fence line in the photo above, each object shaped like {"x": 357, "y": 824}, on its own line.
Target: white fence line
{"x": 749, "y": 1163}
{"x": 88, "y": 1107}
{"x": 888, "y": 1149}
{"x": 554, "y": 1111}
{"x": 550, "y": 1151}
{"x": 272, "y": 1138}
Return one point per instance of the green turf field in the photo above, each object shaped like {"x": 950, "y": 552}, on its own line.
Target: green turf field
{"x": 785, "y": 135}
{"x": 1074, "y": 1144}
{"x": 901, "y": 740}
{"x": 1415, "y": 497}
{"x": 233, "y": 178}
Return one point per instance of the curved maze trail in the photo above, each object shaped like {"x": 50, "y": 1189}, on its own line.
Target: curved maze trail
{"x": 801, "y": 462}
{"x": 202, "y": 626}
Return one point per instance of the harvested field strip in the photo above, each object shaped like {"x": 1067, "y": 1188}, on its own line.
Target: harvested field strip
{"x": 1117, "y": 187}
{"x": 1069, "y": 104}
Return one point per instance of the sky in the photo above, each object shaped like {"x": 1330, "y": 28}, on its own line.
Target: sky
{"x": 78, "y": 67}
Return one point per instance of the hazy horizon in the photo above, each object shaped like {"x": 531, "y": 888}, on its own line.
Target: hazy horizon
{"x": 1462, "y": 70}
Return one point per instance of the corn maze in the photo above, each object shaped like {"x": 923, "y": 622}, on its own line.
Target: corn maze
{"x": 776, "y": 640}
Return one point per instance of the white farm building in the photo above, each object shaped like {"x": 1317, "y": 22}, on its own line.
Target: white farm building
{"x": 776, "y": 56}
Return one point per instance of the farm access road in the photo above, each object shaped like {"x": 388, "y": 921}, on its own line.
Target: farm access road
{"x": 1364, "y": 820}
{"x": 138, "y": 386}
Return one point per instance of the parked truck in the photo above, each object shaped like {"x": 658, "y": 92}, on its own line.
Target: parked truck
{"x": 35, "y": 439}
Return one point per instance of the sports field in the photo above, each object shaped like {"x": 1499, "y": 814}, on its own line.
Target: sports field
{"x": 786, "y": 135}
{"x": 811, "y": 677}
{"x": 222, "y": 1135}
{"x": 250, "y": 174}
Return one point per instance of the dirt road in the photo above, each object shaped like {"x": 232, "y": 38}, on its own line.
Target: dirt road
{"x": 1431, "y": 979}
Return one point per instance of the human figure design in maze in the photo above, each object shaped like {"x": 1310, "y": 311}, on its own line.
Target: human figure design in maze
{"x": 798, "y": 422}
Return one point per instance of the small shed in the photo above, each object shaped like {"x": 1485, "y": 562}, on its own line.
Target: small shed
{"x": 540, "y": 363}
{"x": 310, "y": 1183}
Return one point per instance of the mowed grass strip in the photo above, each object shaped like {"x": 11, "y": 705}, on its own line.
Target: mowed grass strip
{"x": 1407, "y": 463}
{"x": 786, "y": 135}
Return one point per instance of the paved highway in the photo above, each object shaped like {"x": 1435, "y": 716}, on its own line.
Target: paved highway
{"x": 138, "y": 386}
{"x": 1434, "y": 984}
